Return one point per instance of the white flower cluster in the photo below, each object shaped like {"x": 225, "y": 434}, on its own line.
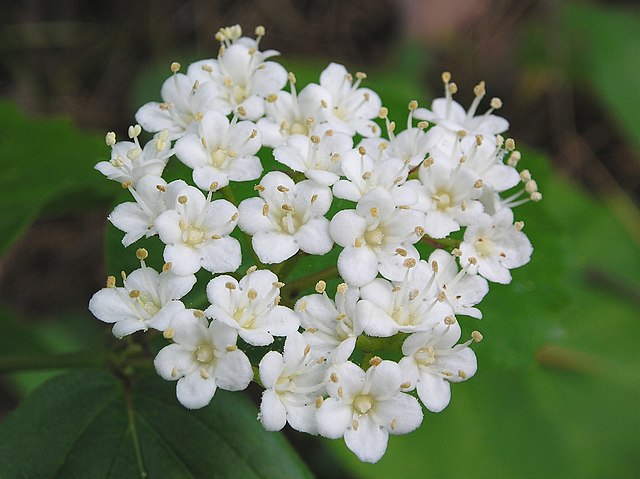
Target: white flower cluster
{"x": 427, "y": 229}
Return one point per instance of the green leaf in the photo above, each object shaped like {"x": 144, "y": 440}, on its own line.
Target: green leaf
{"x": 41, "y": 160}
{"x": 87, "y": 424}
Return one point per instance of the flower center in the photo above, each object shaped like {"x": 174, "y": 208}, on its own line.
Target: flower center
{"x": 483, "y": 246}
{"x": 194, "y": 236}
{"x": 363, "y": 404}
{"x": 426, "y": 356}
{"x": 204, "y": 353}
{"x": 443, "y": 200}
{"x": 340, "y": 111}
{"x": 239, "y": 93}
{"x": 298, "y": 129}
{"x": 374, "y": 237}
{"x": 218, "y": 157}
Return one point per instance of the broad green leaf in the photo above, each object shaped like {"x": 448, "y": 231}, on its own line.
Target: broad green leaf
{"x": 556, "y": 390}
{"x": 88, "y": 424}
{"x": 41, "y": 160}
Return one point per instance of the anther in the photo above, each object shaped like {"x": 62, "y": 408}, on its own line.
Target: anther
{"x": 321, "y": 286}
{"x": 510, "y": 144}
{"x": 314, "y": 198}
{"x": 168, "y": 333}
{"x": 287, "y": 207}
{"x": 334, "y": 378}
{"x": 167, "y": 266}
{"x": 409, "y": 263}
{"x": 375, "y": 361}
{"x": 142, "y": 254}
{"x": 401, "y": 251}
{"x": 434, "y": 266}
{"x": 251, "y": 269}
{"x": 519, "y": 225}
{"x": 175, "y": 67}
{"x": 450, "y": 320}
{"x": 496, "y": 103}
{"x": 110, "y": 138}
{"x": 182, "y": 199}
{"x": 111, "y": 281}
{"x": 213, "y": 186}
{"x": 260, "y": 31}
{"x": 282, "y": 189}
{"x": 252, "y": 294}
{"x": 362, "y": 150}
{"x": 355, "y": 425}
{"x": 462, "y": 374}
{"x": 259, "y": 188}
{"x": 342, "y": 288}
{"x": 423, "y": 125}
{"x": 242, "y": 111}
{"x": 126, "y": 184}
{"x": 272, "y": 98}
{"x": 479, "y": 89}
{"x": 134, "y": 293}
{"x": 315, "y": 139}
{"x": 374, "y": 212}
{"x": 476, "y": 336}
{"x": 419, "y": 231}
{"x": 383, "y": 113}
{"x": 319, "y": 401}
{"x": 277, "y": 284}
{"x": 453, "y": 88}
{"x": 446, "y": 77}
{"x": 406, "y": 385}
{"x": 473, "y": 260}
{"x": 478, "y": 183}
{"x": 413, "y": 104}
{"x": 198, "y": 313}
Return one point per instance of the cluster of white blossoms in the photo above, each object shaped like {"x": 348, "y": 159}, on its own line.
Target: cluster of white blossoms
{"x": 421, "y": 226}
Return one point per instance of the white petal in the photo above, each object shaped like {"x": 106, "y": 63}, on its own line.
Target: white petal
{"x": 401, "y": 415}
{"x": 173, "y": 361}
{"x": 194, "y": 392}
{"x": 313, "y": 237}
{"x": 222, "y": 255}
{"x": 273, "y": 415}
{"x": 274, "y": 247}
{"x": 271, "y": 367}
{"x": 333, "y": 418}
{"x": 346, "y": 226}
{"x": 434, "y": 391}
{"x": 233, "y": 370}
{"x": 368, "y": 442}
{"x": 357, "y": 266}
{"x": 184, "y": 259}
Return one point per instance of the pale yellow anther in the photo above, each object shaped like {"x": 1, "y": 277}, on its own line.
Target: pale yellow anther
{"x": 375, "y": 361}
{"x": 355, "y": 424}
{"x": 242, "y": 111}
{"x": 452, "y": 88}
{"x": 291, "y": 77}
{"x": 446, "y": 77}
{"x": 213, "y": 186}
{"x": 260, "y": 31}
{"x": 207, "y": 68}
{"x": 175, "y": 67}
{"x": 168, "y": 333}
{"x": 251, "y": 269}
{"x": 450, "y": 320}
{"x": 253, "y": 134}
{"x": 142, "y": 254}
{"x": 111, "y": 281}
{"x": 182, "y": 199}
{"x": 231, "y": 347}
{"x": 476, "y": 336}
{"x": 282, "y": 189}
{"x": 230, "y": 286}
{"x": 134, "y": 293}
{"x": 315, "y": 139}
{"x": 461, "y": 133}
{"x": 473, "y": 259}
{"x": 478, "y": 183}
{"x": 383, "y": 113}
{"x": 314, "y": 198}
{"x": 409, "y": 263}
{"x": 413, "y": 104}
{"x": 259, "y": 188}
{"x": 126, "y": 184}
{"x": 366, "y": 175}
{"x": 252, "y": 294}
{"x": 531, "y": 186}
{"x": 401, "y": 251}
{"x": 319, "y": 401}
{"x": 324, "y": 104}
{"x": 496, "y": 103}
{"x": 479, "y": 89}
{"x": 134, "y": 153}
{"x": 525, "y": 175}
{"x": 362, "y": 150}
{"x": 334, "y": 378}
{"x": 383, "y": 145}
{"x": 357, "y": 243}
{"x": 374, "y": 212}
{"x": 234, "y": 217}
{"x": 340, "y": 393}
{"x": 110, "y": 138}
{"x": 441, "y": 296}
{"x": 536, "y": 196}
{"x": 394, "y": 424}
{"x": 123, "y": 275}
{"x": 405, "y": 385}
{"x": 404, "y": 207}
{"x": 510, "y": 144}
{"x": 519, "y": 225}
{"x": 216, "y": 237}
{"x": 423, "y": 125}
{"x": 167, "y": 266}
{"x": 434, "y": 266}
{"x": 342, "y": 288}
{"x": 462, "y": 374}
{"x": 392, "y": 126}
{"x": 198, "y": 313}
{"x": 419, "y": 231}
{"x": 204, "y": 374}
{"x": 265, "y": 209}
{"x": 277, "y": 284}
{"x": 272, "y": 98}
{"x": 367, "y": 96}
{"x": 428, "y": 162}
{"x": 321, "y": 286}
{"x": 287, "y": 207}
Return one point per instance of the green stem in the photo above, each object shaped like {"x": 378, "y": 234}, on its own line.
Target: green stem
{"x": 441, "y": 243}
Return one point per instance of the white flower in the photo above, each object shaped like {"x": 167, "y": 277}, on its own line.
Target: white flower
{"x": 129, "y": 162}
{"x": 377, "y": 237}
{"x": 461, "y": 290}
{"x": 329, "y": 325}
{"x": 433, "y": 360}
{"x": 365, "y": 407}
{"x": 137, "y": 219}
{"x": 448, "y": 195}
{"x": 202, "y": 358}
{"x": 196, "y": 231}
{"x": 242, "y": 78}
{"x": 183, "y": 98}
{"x": 293, "y": 113}
{"x": 317, "y": 156}
{"x": 221, "y": 151}
{"x": 251, "y": 306}
{"x": 414, "y": 304}
{"x": 293, "y": 381}
{"x": 368, "y": 167}
{"x": 286, "y": 218}
{"x": 495, "y": 245}
{"x": 351, "y": 108}
{"x": 451, "y": 117}
{"x": 147, "y": 299}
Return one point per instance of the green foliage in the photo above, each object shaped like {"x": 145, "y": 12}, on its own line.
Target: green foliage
{"x": 86, "y": 424}
{"x": 42, "y": 160}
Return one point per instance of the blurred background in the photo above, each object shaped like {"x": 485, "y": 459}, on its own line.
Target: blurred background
{"x": 556, "y": 394}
